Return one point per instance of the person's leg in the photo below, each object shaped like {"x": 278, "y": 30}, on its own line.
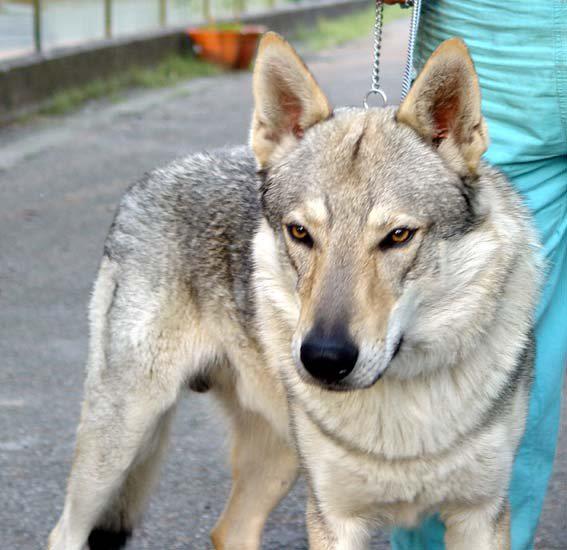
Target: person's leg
{"x": 429, "y": 535}
{"x": 534, "y": 462}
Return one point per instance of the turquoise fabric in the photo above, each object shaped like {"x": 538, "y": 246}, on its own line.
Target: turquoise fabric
{"x": 520, "y": 53}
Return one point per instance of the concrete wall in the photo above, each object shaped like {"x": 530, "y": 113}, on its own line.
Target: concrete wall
{"x": 27, "y": 83}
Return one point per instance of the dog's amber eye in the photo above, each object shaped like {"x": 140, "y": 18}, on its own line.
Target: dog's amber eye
{"x": 299, "y": 233}
{"x": 397, "y": 237}
{"x": 400, "y": 235}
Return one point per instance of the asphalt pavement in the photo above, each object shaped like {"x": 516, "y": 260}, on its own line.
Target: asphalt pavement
{"x": 60, "y": 180}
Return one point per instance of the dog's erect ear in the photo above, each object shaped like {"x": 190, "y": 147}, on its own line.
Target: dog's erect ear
{"x": 443, "y": 106}
{"x": 287, "y": 99}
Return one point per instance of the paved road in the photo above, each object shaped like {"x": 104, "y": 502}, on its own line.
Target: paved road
{"x": 59, "y": 183}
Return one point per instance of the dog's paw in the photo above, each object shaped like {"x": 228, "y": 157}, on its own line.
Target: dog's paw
{"x": 106, "y": 539}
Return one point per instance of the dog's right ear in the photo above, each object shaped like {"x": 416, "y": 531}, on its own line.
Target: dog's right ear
{"x": 287, "y": 100}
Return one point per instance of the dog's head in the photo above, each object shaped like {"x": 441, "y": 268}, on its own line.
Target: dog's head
{"x": 372, "y": 211}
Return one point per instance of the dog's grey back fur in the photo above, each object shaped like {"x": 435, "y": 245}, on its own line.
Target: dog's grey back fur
{"x": 194, "y": 218}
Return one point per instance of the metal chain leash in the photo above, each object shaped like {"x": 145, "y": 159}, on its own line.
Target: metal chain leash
{"x": 375, "y": 89}
{"x": 408, "y": 70}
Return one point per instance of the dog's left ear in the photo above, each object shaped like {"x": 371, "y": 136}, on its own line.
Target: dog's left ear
{"x": 443, "y": 106}
{"x": 287, "y": 99}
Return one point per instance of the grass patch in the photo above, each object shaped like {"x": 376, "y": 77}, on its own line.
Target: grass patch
{"x": 168, "y": 72}
{"x": 337, "y": 31}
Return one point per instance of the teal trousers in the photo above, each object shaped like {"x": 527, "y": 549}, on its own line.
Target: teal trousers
{"x": 520, "y": 52}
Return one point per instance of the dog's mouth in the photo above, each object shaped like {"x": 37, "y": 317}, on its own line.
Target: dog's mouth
{"x": 396, "y": 350}
{"x": 341, "y": 386}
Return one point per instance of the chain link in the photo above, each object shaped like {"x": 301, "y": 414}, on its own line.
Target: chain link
{"x": 409, "y": 68}
{"x": 375, "y": 90}
{"x": 377, "y": 45}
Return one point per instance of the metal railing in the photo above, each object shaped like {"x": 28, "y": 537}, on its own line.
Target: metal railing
{"x": 37, "y": 25}
{"x": 205, "y": 12}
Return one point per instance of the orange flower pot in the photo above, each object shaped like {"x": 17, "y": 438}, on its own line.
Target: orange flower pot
{"x": 232, "y": 48}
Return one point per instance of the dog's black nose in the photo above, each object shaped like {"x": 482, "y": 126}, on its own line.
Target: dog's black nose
{"x": 328, "y": 359}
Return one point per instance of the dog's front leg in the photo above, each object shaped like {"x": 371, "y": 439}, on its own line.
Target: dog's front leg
{"x": 484, "y": 528}
{"x": 264, "y": 468}
{"x": 327, "y": 532}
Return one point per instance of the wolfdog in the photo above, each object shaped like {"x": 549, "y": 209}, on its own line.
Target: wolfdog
{"x": 357, "y": 290}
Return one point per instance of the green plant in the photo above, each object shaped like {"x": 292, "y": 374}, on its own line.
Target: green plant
{"x": 168, "y": 72}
